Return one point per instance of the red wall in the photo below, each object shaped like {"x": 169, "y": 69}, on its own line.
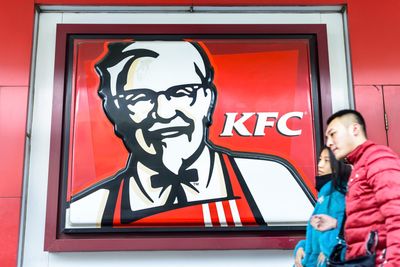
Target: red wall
{"x": 16, "y": 23}
{"x": 374, "y": 40}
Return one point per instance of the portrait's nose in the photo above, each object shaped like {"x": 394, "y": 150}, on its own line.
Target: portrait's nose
{"x": 164, "y": 108}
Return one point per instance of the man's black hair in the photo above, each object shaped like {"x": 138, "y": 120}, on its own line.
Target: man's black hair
{"x": 355, "y": 114}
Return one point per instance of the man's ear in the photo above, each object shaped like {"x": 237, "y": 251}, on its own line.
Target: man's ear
{"x": 356, "y": 129}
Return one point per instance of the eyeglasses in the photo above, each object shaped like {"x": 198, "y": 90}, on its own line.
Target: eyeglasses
{"x": 135, "y": 96}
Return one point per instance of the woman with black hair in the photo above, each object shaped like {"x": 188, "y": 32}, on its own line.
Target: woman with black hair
{"x": 331, "y": 183}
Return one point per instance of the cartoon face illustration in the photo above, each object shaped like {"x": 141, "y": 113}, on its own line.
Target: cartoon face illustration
{"x": 160, "y": 100}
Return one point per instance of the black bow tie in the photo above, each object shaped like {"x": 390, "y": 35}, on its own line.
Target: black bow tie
{"x": 165, "y": 179}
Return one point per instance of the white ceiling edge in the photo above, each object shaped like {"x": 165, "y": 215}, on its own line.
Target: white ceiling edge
{"x": 219, "y": 9}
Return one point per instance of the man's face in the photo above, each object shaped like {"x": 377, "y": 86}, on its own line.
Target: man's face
{"x": 340, "y": 138}
{"x": 167, "y": 104}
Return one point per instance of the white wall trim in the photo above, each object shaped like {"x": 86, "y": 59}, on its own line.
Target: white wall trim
{"x": 192, "y": 8}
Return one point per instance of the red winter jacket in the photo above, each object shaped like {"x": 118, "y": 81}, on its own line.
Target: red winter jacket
{"x": 373, "y": 202}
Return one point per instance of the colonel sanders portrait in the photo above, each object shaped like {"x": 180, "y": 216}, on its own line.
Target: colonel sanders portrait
{"x": 160, "y": 97}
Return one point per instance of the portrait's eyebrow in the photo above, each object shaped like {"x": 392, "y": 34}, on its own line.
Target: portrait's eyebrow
{"x": 128, "y": 96}
{"x": 136, "y": 96}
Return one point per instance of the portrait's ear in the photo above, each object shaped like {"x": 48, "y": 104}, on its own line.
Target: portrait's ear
{"x": 210, "y": 98}
{"x": 209, "y": 104}
{"x": 208, "y": 93}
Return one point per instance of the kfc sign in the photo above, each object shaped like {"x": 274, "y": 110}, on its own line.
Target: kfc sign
{"x": 161, "y": 135}
{"x": 262, "y": 122}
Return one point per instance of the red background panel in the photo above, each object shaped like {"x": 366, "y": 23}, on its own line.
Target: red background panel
{"x": 13, "y": 102}
{"x": 375, "y": 41}
{"x": 369, "y": 102}
{"x": 9, "y": 228}
{"x": 16, "y": 30}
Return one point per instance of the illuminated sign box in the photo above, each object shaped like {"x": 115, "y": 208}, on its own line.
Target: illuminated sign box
{"x": 184, "y": 133}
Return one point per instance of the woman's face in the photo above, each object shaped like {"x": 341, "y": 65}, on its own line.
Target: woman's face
{"x": 324, "y": 164}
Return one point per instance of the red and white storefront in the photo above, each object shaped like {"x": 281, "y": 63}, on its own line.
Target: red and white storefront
{"x": 364, "y": 65}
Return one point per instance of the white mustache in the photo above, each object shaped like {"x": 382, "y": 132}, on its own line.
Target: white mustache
{"x": 176, "y": 122}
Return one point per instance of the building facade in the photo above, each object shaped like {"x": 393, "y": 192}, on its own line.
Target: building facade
{"x": 363, "y": 60}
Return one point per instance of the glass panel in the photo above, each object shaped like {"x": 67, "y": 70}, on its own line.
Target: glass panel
{"x": 199, "y": 134}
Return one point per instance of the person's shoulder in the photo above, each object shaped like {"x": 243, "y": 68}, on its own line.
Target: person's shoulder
{"x": 252, "y": 164}
{"x": 380, "y": 158}
{"x": 88, "y": 210}
{"x": 379, "y": 153}
{"x": 103, "y": 186}
{"x": 326, "y": 189}
{"x": 255, "y": 157}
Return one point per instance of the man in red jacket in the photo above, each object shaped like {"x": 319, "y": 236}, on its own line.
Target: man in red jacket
{"x": 373, "y": 197}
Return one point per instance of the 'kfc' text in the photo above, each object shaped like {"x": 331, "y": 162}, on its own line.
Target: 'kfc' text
{"x": 263, "y": 120}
